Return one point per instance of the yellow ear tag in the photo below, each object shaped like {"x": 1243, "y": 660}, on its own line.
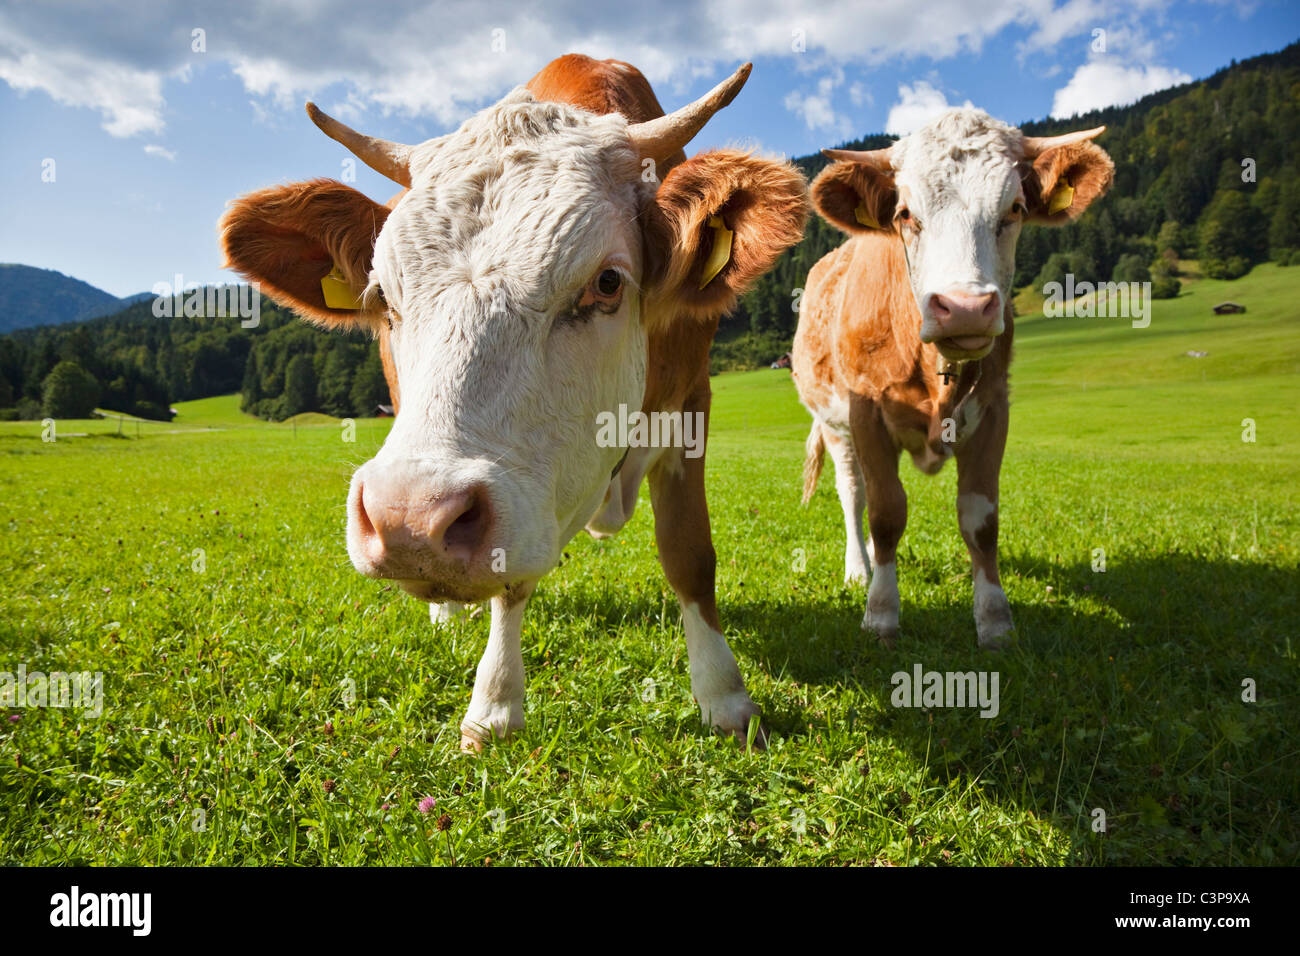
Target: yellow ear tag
{"x": 864, "y": 217}
{"x": 720, "y": 255}
{"x": 1060, "y": 199}
{"x": 338, "y": 294}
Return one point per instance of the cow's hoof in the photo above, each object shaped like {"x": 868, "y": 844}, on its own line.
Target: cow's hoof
{"x": 856, "y": 577}
{"x": 886, "y": 639}
{"x": 473, "y": 738}
{"x": 992, "y": 615}
{"x": 497, "y": 724}
{"x": 760, "y": 737}
{"x": 445, "y": 611}
{"x": 883, "y": 627}
{"x": 995, "y": 631}
{"x": 995, "y": 639}
{"x": 993, "y": 622}
{"x": 731, "y": 713}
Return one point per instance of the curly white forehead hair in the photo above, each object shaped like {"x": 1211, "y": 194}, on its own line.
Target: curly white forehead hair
{"x": 523, "y": 194}
{"x": 957, "y": 134}
{"x": 955, "y": 151}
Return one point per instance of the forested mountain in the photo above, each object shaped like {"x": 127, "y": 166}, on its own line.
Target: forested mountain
{"x": 1205, "y": 171}
{"x": 142, "y": 363}
{"x": 31, "y": 297}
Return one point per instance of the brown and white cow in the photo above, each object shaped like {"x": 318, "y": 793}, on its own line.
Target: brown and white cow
{"x": 904, "y": 338}
{"x": 553, "y": 259}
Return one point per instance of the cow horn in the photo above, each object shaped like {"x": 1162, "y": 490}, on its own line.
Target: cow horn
{"x": 659, "y": 138}
{"x": 389, "y": 159}
{"x": 1034, "y": 145}
{"x": 871, "y": 157}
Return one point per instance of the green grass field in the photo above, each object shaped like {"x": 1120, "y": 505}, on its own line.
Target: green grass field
{"x": 265, "y": 704}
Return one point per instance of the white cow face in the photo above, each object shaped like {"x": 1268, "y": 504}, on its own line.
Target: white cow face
{"x": 516, "y": 286}
{"x": 959, "y": 209}
{"x": 957, "y": 192}
{"x": 513, "y": 272}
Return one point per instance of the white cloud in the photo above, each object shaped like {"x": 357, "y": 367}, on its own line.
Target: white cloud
{"x": 817, "y": 110}
{"x": 1120, "y": 65}
{"x": 1080, "y": 18}
{"x": 1072, "y": 18}
{"x": 917, "y": 105}
{"x": 1105, "y": 82}
{"x": 446, "y": 58}
{"x": 153, "y": 149}
{"x": 130, "y": 99}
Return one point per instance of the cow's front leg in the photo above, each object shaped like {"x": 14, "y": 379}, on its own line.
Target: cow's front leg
{"x": 497, "y": 706}
{"x": 686, "y": 553}
{"x": 853, "y": 499}
{"x": 979, "y": 460}
{"x": 886, "y": 515}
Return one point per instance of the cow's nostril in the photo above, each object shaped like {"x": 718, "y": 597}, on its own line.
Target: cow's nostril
{"x": 367, "y": 537}
{"x": 364, "y": 524}
{"x": 397, "y": 532}
{"x": 465, "y": 526}
{"x": 465, "y": 535}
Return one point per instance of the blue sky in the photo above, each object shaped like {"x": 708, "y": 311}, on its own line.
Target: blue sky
{"x": 150, "y": 137}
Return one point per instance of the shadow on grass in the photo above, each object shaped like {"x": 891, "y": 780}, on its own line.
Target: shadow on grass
{"x": 1124, "y": 692}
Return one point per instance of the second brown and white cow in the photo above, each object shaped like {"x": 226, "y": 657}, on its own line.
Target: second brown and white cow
{"x": 554, "y": 260}
{"x": 904, "y": 338}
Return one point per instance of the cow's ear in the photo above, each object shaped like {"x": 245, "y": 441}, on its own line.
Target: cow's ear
{"x": 287, "y": 239}
{"x": 717, "y": 223}
{"x": 1064, "y": 180}
{"x": 856, "y": 197}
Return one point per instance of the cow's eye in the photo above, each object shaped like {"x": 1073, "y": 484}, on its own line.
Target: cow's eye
{"x": 608, "y": 283}
{"x": 1017, "y": 213}
{"x": 603, "y": 292}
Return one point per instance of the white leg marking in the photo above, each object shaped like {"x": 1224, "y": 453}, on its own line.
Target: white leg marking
{"x": 968, "y": 412}
{"x": 443, "y": 613}
{"x": 853, "y": 500}
{"x": 497, "y": 705}
{"x": 882, "y": 602}
{"x": 992, "y": 610}
{"x": 716, "y": 683}
{"x": 992, "y": 613}
{"x": 973, "y": 510}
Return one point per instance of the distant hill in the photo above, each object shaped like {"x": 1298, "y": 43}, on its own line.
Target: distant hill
{"x": 30, "y": 297}
{"x": 143, "y": 363}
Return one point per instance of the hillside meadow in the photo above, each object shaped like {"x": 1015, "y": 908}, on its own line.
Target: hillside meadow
{"x": 263, "y": 704}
